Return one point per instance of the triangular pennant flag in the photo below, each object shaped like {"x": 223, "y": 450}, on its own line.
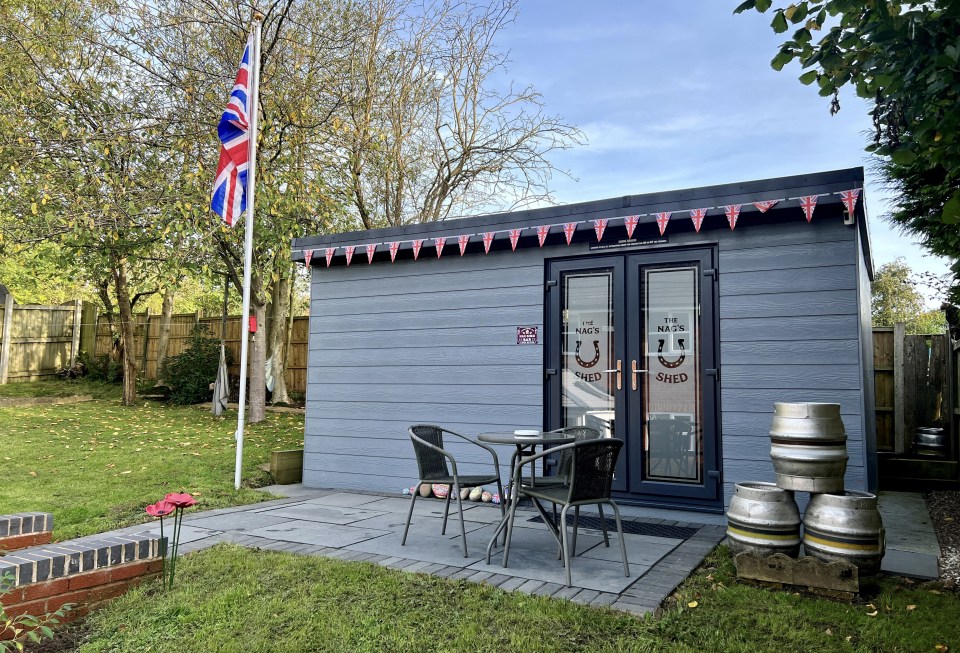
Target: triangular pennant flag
{"x": 568, "y": 230}
{"x": 307, "y": 255}
{"x": 600, "y": 226}
{"x": 514, "y": 237}
{"x": 697, "y": 215}
{"x": 394, "y": 246}
{"x": 417, "y": 244}
{"x": 662, "y": 220}
{"x": 733, "y": 212}
{"x": 630, "y": 222}
{"x": 462, "y": 240}
{"x": 371, "y": 250}
{"x": 349, "y": 250}
{"x": 849, "y": 198}
{"x": 808, "y": 203}
{"x": 542, "y": 232}
{"x": 330, "y": 251}
{"x": 487, "y": 240}
{"x": 766, "y": 205}
{"x": 440, "y": 242}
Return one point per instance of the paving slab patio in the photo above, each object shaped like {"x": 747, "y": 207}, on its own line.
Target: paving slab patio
{"x": 366, "y": 526}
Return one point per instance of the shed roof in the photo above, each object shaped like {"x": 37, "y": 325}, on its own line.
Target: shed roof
{"x": 827, "y": 186}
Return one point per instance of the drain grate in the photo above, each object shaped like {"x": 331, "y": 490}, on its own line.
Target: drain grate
{"x": 631, "y": 527}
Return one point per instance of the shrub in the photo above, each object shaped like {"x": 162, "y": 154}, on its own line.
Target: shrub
{"x": 103, "y": 368}
{"x": 190, "y": 373}
{"x": 17, "y": 631}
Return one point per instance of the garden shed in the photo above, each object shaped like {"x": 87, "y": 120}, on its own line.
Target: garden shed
{"x": 670, "y": 320}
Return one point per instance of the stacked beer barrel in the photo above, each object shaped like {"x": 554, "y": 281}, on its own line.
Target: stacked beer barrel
{"x": 808, "y": 447}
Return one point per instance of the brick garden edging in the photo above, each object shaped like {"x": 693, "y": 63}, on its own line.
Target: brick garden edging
{"x": 25, "y": 529}
{"x": 86, "y": 572}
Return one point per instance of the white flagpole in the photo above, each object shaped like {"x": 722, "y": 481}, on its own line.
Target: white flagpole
{"x": 248, "y": 238}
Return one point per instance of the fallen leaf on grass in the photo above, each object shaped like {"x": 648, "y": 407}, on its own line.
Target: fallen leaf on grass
{"x": 872, "y": 614}
{"x": 911, "y": 607}
{"x": 828, "y": 631}
{"x": 693, "y": 604}
{"x": 126, "y": 472}
{"x": 941, "y": 648}
{"x": 934, "y": 591}
{"x": 33, "y": 473}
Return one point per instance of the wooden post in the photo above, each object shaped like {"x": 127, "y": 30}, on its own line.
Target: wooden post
{"x": 5, "y": 342}
{"x": 146, "y": 343}
{"x": 899, "y": 333}
{"x": 88, "y": 329}
{"x": 77, "y": 320}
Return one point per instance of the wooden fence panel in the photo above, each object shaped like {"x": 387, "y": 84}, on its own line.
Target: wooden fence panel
{"x": 42, "y": 339}
{"x": 883, "y": 375}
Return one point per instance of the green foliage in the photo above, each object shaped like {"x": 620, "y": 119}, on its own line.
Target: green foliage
{"x": 104, "y": 368}
{"x": 94, "y": 465}
{"x": 190, "y": 373}
{"x": 896, "y": 299}
{"x": 26, "y": 628}
{"x": 904, "y": 58}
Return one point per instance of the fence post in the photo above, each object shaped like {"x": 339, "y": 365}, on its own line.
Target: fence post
{"x": 88, "y": 329}
{"x": 146, "y": 343}
{"x": 5, "y": 343}
{"x": 77, "y": 318}
{"x": 899, "y": 335}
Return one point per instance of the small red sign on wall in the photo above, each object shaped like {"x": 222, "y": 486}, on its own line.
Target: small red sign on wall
{"x": 527, "y": 335}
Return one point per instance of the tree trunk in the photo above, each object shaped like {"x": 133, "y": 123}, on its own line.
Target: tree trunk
{"x": 277, "y": 338}
{"x": 129, "y": 355}
{"x": 165, "y": 318}
{"x": 257, "y": 389}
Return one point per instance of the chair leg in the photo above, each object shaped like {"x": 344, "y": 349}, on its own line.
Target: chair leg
{"x": 506, "y": 546}
{"x": 503, "y": 506}
{"x": 446, "y": 510}
{"x": 623, "y": 546}
{"x": 413, "y": 500}
{"x": 603, "y": 525}
{"x": 563, "y": 542}
{"x": 576, "y": 525}
{"x": 463, "y": 528}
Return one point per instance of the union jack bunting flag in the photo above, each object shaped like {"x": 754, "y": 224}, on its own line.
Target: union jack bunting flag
{"x": 542, "y": 232}
{"x": 230, "y": 185}
{"x": 440, "y": 242}
{"x": 808, "y": 203}
{"x": 849, "y": 199}
{"x": 371, "y": 250}
{"x": 569, "y": 228}
{"x": 462, "y": 240}
{"x": 630, "y": 222}
{"x": 662, "y": 220}
{"x": 307, "y": 255}
{"x": 394, "y": 246}
{"x": 765, "y": 205}
{"x": 417, "y": 244}
{"x": 349, "y": 250}
{"x": 697, "y": 215}
{"x": 514, "y": 237}
{"x": 329, "y": 252}
{"x": 487, "y": 241}
{"x": 733, "y": 212}
{"x": 600, "y": 226}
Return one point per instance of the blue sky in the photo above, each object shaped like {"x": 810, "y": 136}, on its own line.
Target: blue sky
{"x": 680, "y": 93}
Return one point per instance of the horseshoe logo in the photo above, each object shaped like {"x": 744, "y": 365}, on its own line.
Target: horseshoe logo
{"x": 677, "y": 363}
{"x": 596, "y": 355}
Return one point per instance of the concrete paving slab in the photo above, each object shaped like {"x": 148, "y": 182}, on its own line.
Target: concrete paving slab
{"x": 419, "y": 526}
{"x": 322, "y": 513}
{"x": 239, "y": 521}
{"x": 590, "y": 573}
{"x": 322, "y": 534}
{"x": 434, "y": 508}
{"x": 639, "y": 552}
{"x": 187, "y": 533}
{"x": 344, "y": 499}
{"x": 431, "y": 549}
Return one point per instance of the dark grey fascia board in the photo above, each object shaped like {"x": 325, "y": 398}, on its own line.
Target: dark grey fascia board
{"x": 677, "y": 201}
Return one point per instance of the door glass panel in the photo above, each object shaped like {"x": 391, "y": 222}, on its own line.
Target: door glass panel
{"x": 671, "y": 395}
{"x": 588, "y": 383}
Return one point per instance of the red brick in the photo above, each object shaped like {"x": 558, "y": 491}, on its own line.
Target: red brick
{"x": 44, "y": 589}
{"x": 16, "y": 542}
{"x": 155, "y": 565}
{"x": 35, "y": 608}
{"x": 129, "y": 570}
{"x": 79, "y": 598}
{"x": 111, "y": 591}
{"x": 90, "y": 579}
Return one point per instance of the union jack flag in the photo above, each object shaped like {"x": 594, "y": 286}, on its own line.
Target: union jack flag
{"x": 662, "y": 220}
{"x": 808, "y": 203}
{"x": 514, "y": 237}
{"x": 394, "y": 246}
{"x": 849, "y": 199}
{"x": 329, "y": 253}
{"x": 307, "y": 255}
{"x": 487, "y": 240}
{"x": 371, "y": 250}
{"x": 630, "y": 222}
{"x": 697, "y": 215}
{"x": 417, "y": 244}
{"x": 733, "y": 212}
{"x": 599, "y": 226}
{"x": 569, "y": 228}
{"x": 765, "y": 205}
{"x": 463, "y": 240}
{"x": 349, "y": 249}
{"x": 440, "y": 242}
{"x": 230, "y": 186}
{"x": 542, "y": 232}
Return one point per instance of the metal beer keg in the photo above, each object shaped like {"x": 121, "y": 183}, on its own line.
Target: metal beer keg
{"x": 845, "y": 526}
{"x": 808, "y": 447}
{"x": 763, "y": 519}
{"x": 930, "y": 441}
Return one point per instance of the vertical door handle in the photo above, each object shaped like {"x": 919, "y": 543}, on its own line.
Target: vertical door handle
{"x": 634, "y": 372}
{"x": 619, "y": 371}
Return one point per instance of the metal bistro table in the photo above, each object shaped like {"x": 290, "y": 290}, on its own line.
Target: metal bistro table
{"x": 526, "y": 443}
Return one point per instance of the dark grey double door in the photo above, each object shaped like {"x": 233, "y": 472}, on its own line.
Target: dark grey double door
{"x": 631, "y": 350}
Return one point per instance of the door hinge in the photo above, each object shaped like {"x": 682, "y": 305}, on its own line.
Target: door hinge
{"x": 550, "y": 283}
{"x": 712, "y": 272}
{"x": 549, "y": 371}
{"x": 713, "y": 473}
{"x": 711, "y": 372}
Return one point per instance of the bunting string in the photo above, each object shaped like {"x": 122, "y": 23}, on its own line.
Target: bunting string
{"x": 807, "y": 204}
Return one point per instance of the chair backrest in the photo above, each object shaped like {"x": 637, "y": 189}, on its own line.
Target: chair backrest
{"x": 432, "y": 464}
{"x": 591, "y": 470}
{"x": 580, "y": 434}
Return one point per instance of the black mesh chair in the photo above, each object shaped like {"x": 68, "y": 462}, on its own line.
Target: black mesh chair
{"x": 592, "y": 463}
{"x": 432, "y": 461}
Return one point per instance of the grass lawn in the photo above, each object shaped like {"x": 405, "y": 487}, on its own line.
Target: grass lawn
{"x": 95, "y": 465}
{"x": 234, "y": 599}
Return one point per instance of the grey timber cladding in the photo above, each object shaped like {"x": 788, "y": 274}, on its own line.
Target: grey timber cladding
{"x": 435, "y": 340}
